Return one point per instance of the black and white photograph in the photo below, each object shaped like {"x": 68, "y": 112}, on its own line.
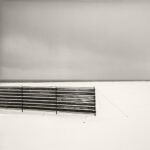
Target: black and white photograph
{"x": 74, "y": 74}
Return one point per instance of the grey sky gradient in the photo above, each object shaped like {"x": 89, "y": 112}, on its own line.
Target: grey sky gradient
{"x": 75, "y": 41}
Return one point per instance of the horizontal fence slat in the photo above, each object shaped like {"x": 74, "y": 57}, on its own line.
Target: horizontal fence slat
{"x": 74, "y": 107}
{"x": 13, "y": 99}
{"x": 10, "y": 90}
{"x": 65, "y": 91}
{"x": 77, "y": 110}
{"x": 75, "y": 96}
{"x": 10, "y": 106}
{"x": 39, "y": 101}
{"x": 11, "y": 102}
{"x": 40, "y": 94}
{"x": 75, "y": 103}
{"x": 10, "y": 97}
{"x": 40, "y": 98}
{"x": 10, "y": 87}
{"x": 38, "y": 108}
{"x": 39, "y": 104}
{"x": 83, "y": 102}
{"x": 10, "y": 94}
{"x": 75, "y": 88}
{"x": 20, "y": 94}
{"x": 39, "y": 89}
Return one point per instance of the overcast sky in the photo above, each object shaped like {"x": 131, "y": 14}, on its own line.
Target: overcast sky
{"x": 75, "y": 41}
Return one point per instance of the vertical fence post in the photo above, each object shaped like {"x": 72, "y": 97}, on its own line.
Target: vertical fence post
{"x": 56, "y": 100}
{"x": 95, "y": 100}
{"x": 22, "y": 96}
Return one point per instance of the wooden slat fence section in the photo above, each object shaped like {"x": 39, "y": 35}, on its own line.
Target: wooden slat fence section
{"x": 39, "y": 98}
{"x": 59, "y": 99}
{"x": 10, "y": 97}
{"x": 76, "y": 100}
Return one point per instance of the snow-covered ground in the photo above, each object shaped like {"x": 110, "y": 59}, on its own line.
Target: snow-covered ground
{"x": 122, "y": 121}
